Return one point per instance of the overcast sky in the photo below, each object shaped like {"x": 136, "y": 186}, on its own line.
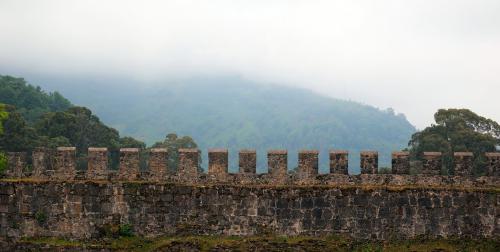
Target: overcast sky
{"x": 414, "y": 56}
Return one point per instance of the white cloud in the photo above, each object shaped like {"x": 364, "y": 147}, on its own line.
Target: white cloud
{"x": 415, "y": 56}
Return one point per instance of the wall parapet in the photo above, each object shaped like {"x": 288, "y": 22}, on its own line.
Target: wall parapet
{"x": 61, "y": 165}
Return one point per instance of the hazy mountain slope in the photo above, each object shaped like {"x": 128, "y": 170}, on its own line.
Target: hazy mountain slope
{"x": 235, "y": 114}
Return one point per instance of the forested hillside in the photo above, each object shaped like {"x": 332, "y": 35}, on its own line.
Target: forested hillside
{"x": 32, "y": 118}
{"x": 234, "y": 113}
{"x": 30, "y": 101}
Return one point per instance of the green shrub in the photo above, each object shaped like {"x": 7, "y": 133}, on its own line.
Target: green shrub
{"x": 40, "y": 217}
{"x": 126, "y": 230}
{"x": 3, "y": 163}
{"x": 384, "y": 170}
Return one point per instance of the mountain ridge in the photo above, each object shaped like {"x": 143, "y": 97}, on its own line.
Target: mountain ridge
{"x": 235, "y": 113}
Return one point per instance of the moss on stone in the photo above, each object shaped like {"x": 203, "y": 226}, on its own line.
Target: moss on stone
{"x": 269, "y": 243}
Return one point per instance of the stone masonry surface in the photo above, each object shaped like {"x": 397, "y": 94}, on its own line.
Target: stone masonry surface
{"x": 54, "y": 200}
{"x": 362, "y": 206}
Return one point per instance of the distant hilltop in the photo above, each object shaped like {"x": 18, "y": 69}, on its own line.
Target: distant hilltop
{"x": 237, "y": 114}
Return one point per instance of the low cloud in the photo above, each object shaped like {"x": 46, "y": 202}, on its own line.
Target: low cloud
{"x": 414, "y": 56}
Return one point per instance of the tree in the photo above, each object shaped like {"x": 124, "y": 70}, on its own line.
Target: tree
{"x": 3, "y": 117}
{"x": 173, "y": 143}
{"x": 457, "y": 130}
{"x": 17, "y": 134}
{"x": 30, "y": 101}
{"x": 80, "y": 127}
{"x": 130, "y": 142}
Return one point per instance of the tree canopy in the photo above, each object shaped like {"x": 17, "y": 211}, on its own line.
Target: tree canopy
{"x": 30, "y": 101}
{"x": 3, "y": 117}
{"x": 33, "y": 118}
{"x": 173, "y": 143}
{"x": 457, "y": 130}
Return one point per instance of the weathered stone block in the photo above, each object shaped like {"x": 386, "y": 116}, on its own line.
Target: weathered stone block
{"x": 16, "y": 162}
{"x": 339, "y": 162}
{"x": 158, "y": 163}
{"x": 493, "y": 164}
{"x": 401, "y": 162}
{"x": 218, "y": 162}
{"x": 248, "y": 161}
{"x": 308, "y": 163}
{"x": 432, "y": 163}
{"x": 65, "y": 163}
{"x": 277, "y": 163}
{"x": 41, "y": 162}
{"x": 369, "y": 162}
{"x": 188, "y": 163}
{"x": 129, "y": 164}
{"x": 464, "y": 163}
{"x": 97, "y": 163}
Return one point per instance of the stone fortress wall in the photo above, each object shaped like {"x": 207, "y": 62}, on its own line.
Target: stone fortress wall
{"x": 56, "y": 199}
{"x": 61, "y": 165}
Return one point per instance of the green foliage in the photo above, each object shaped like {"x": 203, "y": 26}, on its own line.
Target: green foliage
{"x": 227, "y": 112}
{"x": 31, "y": 102}
{"x": 129, "y": 142}
{"x": 17, "y": 135}
{"x": 3, "y": 163}
{"x": 457, "y": 130}
{"x": 116, "y": 231}
{"x": 3, "y": 116}
{"x": 384, "y": 170}
{"x": 34, "y": 118}
{"x": 40, "y": 217}
{"x": 80, "y": 127}
{"x": 126, "y": 230}
{"x": 173, "y": 143}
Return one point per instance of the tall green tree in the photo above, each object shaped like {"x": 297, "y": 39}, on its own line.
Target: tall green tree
{"x": 457, "y": 130}
{"x": 30, "y": 101}
{"x": 17, "y": 134}
{"x": 3, "y": 157}
{"x": 80, "y": 127}
{"x": 173, "y": 143}
{"x": 3, "y": 116}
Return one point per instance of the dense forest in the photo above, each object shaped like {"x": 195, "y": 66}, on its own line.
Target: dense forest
{"x": 223, "y": 114}
{"x": 233, "y": 113}
{"x": 33, "y": 118}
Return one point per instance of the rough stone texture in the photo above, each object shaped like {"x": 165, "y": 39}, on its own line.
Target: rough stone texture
{"x": 432, "y": 163}
{"x": 65, "y": 163}
{"x": 339, "y": 162}
{"x": 42, "y": 164}
{"x": 401, "y": 162}
{"x": 188, "y": 163}
{"x": 248, "y": 161}
{"x": 97, "y": 163}
{"x": 308, "y": 163}
{"x": 464, "y": 162}
{"x": 493, "y": 163}
{"x": 129, "y": 164}
{"x": 218, "y": 162}
{"x": 277, "y": 163}
{"x": 16, "y": 162}
{"x": 158, "y": 164}
{"x": 361, "y": 206}
{"x": 369, "y": 162}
